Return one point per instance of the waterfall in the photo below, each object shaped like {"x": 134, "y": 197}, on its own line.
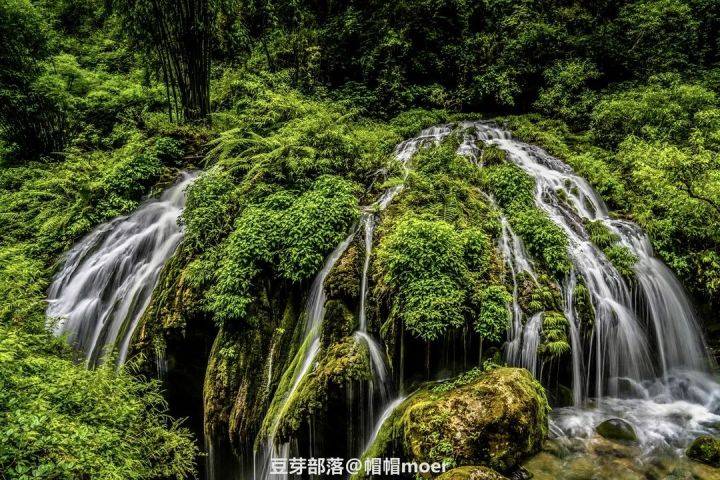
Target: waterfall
{"x": 530, "y": 343}
{"x": 105, "y": 284}
{"x": 518, "y": 261}
{"x": 316, "y": 303}
{"x": 648, "y": 357}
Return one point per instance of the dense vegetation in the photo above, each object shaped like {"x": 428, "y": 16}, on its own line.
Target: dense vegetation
{"x": 293, "y": 110}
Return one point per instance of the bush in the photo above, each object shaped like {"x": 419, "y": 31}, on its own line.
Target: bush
{"x": 61, "y": 420}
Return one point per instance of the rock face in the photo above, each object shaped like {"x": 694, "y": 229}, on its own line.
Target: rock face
{"x": 705, "y": 449}
{"x": 494, "y": 419}
{"x": 471, "y": 473}
{"x": 617, "y": 429}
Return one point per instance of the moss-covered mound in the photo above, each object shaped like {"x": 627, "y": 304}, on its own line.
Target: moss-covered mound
{"x": 493, "y": 419}
{"x": 705, "y": 449}
{"x": 342, "y": 363}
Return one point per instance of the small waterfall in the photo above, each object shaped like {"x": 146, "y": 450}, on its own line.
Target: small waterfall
{"x": 316, "y": 300}
{"x": 305, "y": 357}
{"x": 518, "y": 261}
{"x": 575, "y": 342}
{"x": 381, "y": 421}
{"x": 621, "y": 347}
{"x": 530, "y": 343}
{"x": 106, "y": 282}
{"x": 680, "y": 342}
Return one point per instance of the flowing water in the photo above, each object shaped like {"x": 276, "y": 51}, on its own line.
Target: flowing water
{"x": 518, "y": 261}
{"x": 105, "y": 284}
{"x": 530, "y": 343}
{"x": 646, "y": 354}
{"x": 381, "y": 381}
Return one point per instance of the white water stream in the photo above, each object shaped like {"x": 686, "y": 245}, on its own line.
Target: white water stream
{"x": 99, "y": 295}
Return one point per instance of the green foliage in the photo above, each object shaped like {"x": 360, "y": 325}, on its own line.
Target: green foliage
{"x": 513, "y": 191}
{"x": 554, "y": 335}
{"x": 436, "y": 260}
{"x": 60, "y": 420}
{"x": 423, "y": 264}
{"x": 567, "y": 95}
{"x": 495, "y": 315}
{"x": 664, "y": 109}
{"x": 285, "y": 232}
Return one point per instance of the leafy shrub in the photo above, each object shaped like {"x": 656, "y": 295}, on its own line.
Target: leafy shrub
{"x": 61, "y": 420}
{"x": 287, "y": 233}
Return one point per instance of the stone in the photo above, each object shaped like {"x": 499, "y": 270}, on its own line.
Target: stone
{"x": 495, "y": 419}
{"x": 705, "y": 449}
{"x": 617, "y": 429}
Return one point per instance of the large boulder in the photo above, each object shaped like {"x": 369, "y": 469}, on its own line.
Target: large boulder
{"x": 705, "y": 449}
{"x": 493, "y": 419}
{"x": 617, "y": 429}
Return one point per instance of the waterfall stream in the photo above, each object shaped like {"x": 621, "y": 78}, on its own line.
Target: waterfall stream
{"x": 648, "y": 357}
{"x": 316, "y": 307}
{"x": 106, "y": 282}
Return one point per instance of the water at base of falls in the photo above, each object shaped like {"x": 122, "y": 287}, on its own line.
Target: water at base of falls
{"x": 106, "y": 282}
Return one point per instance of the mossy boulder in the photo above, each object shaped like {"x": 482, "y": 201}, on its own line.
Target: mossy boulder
{"x": 493, "y": 419}
{"x": 617, "y": 429}
{"x": 705, "y": 449}
{"x": 471, "y": 473}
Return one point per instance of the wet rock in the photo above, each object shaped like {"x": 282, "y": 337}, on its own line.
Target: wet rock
{"x": 495, "y": 420}
{"x": 617, "y": 429}
{"x": 705, "y": 449}
{"x": 471, "y": 473}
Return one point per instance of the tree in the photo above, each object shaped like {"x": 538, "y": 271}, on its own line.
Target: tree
{"x": 30, "y": 122}
{"x": 176, "y": 35}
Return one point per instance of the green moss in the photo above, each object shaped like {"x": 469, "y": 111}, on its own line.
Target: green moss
{"x": 494, "y": 419}
{"x": 339, "y": 322}
{"x": 342, "y": 363}
{"x": 343, "y": 282}
{"x": 705, "y": 449}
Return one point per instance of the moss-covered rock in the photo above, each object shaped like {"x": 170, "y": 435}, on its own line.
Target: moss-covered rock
{"x": 495, "y": 419}
{"x": 705, "y": 449}
{"x": 471, "y": 473}
{"x": 343, "y": 282}
{"x": 617, "y": 429}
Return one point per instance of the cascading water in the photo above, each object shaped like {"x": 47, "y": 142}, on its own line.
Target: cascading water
{"x": 102, "y": 290}
{"x": 316, "y": 304}
{"x": 530, "y": 343}
{"x": 670, "y": 400}
{"x": 517, "y": 261}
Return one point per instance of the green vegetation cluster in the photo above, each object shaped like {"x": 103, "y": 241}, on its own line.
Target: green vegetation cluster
{"x": 60, "y": 420}
{"x": 437, "y": 265}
